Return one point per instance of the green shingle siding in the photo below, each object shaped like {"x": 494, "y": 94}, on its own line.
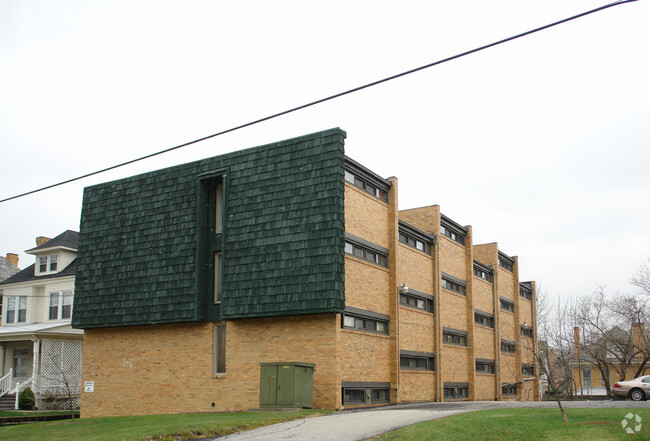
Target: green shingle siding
{"x": 282, "y": 243}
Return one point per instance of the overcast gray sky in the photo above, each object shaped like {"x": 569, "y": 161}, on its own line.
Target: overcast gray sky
{"x": 541, "y": 144}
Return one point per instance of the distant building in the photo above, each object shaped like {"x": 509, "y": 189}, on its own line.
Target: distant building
{"x": 226, "y": 283}
{"x": 38, "y": 347}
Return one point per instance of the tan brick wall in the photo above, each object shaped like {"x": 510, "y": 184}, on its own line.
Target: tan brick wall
{"x": 452, "y": 258}
{"x": 415, "y": 268}
{"x": 366, "y": 216}
{"x": 483, "y": 295}
{"x": 487, "y": 253}
{"x": 416, "y": 329}
{"x": 417, "y": 386}
{"x": 453, "y": 310}
{"x": 364, "y": 356}
{"x": 169, "y": 368}
{"x": 453, "y": 363}
{"x": 366, "y": 285}
{"x": 426, "y": 219}
{"x": 484, "y": 345}
{"x": 484, "y": 387}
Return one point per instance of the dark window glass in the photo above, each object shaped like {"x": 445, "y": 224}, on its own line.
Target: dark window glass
{"x": 526, "y": 331}
{"x": 53, "y": 262}
{"x": 351, "y": 396}
{"x": 508, "y": 347}
{"x": 54, "y": 306}
{"x": 453, "y": 286}
{"x": 528, "y": 370}
{"x": 380, "y": 395}
{"x": 42, "y": 264}
{"x": 365, "y": 324}
{"x": 525, "y": 294}
{"x": 505, "y": 264}
{"x": 509, "y": 389}
{"x": 365, "y": 186}
{"x": 452, "y": 235}
{"x": 22, "y": 309}
{"x": 454, "y": 339}
{"x": 506, "y": 305}
{"x": 416, "y": 302}
{"x": 484, "y": 320}
{"x": 66, "y": 305}
{"x": 366, "y": 254}
{"x": 416, "y": 363}
{"x": 220, "y": 349}
{"x": 484, "y": 367}
{"x": 478, "y": 272}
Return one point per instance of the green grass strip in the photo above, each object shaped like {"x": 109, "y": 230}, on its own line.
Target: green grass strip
{"x": 152, "y": 427}
{"x": 527, "y": 424}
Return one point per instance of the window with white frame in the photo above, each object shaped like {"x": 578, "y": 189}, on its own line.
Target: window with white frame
{"x": 21, "y": 361}
{"x": 42, "y": 264}
{"x": 53, "y": 262}
{"x": 16, "y": 309}
{"x": 60, "y": 305}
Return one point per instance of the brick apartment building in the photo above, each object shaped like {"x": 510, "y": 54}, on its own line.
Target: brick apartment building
{"x": 194, "y": 279}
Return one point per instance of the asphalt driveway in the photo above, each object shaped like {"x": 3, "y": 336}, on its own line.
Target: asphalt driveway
{"x": 363, "y": 424}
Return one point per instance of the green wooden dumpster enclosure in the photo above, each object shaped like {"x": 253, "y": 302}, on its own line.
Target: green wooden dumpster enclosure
{"x": 289, "y": 384}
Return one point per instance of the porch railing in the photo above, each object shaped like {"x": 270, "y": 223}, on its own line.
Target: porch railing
{"x": 19, "y": 387}
{"x": 5, "y": 383}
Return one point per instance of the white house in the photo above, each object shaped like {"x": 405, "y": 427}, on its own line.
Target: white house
{"x": 38, "y": 347}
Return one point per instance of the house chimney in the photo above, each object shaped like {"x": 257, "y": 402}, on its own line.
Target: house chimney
{"x": 40, "y": 240}
{"x": 576, "y": 340}
{"x": 13, "y": 258}
{"x": 638, "y": 334}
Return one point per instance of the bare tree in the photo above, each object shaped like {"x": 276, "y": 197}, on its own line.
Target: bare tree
{"x": 641, "y": 279}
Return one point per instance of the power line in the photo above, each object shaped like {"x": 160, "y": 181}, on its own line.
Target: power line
{"x": 322, "y": 100}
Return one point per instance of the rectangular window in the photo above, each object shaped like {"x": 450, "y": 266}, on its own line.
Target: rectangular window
{"x": 54, "y": 306}
{"x": 485, "y": 366}
{"x": 453, "y": 286}
{"x": 453, "y": 235}
{"x": 53, "y": 262}
{"x": 507, "y": 304}
{"x": 453, "y": 391}
{"x": 356, "y": 393}
{"x": 504, "y": 263}
{"x": 366, "y": 186}
{"x": 220, "y": 349}
{"x": 218, "y": 264}
{"x": 218, "y": 204}
{"x": 508, "y": 347}
{"x": 380, "y": 395}
{"x": 454, "y": 337}
{"x": 42, "y": 264}
{"x": 483, "y": 318}
{"x": 416, "y": 302}
{"x": 66, "y": 305}
{"x": 481, "y": 273}
{"x": 586, "y": 377}
{"x": 353, "y": 396}
{"x": 366, "y": 254}
{"x": 367, "y": 321}
{"x": 526, "y": 331}
{"x": 11, "y": 309}
{"x": 529, "y": 369}
{"x": 416, "y": 361}
{"x": 526, "y": 294}
{"x": 414, "y": 243}
{"x": 509, "y": 389}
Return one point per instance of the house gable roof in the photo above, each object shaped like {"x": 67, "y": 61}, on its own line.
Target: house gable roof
{"x": 68, "y": 239}
{"x": 7, "y": 269}
{"x": 27, "y": 275}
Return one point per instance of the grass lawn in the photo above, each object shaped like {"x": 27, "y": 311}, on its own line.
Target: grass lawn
{"x": 527, "y": 424}
{"x": 155, "y": 427}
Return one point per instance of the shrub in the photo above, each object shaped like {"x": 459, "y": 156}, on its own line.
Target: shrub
{"x": 26, "y": 399}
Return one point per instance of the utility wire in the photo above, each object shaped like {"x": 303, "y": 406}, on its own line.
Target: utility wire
{"x": 322, "y": 100}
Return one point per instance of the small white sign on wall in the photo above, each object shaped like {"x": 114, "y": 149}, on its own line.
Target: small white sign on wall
{"x": 89, "y": 386}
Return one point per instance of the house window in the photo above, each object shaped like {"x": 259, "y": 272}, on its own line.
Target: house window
{"x": 16, "y": 309}
{"x": 456, "y": 391}
{"x": 352, "y": 321}
{"x": 508, "y": 346}
{"x": 414, "y": 243}
{"x": 485, "y": 366}
{"x": 453, "y": 285}
{"x": 42, "y": 264}
{"x": 21, "y": 362}
{"x": 526, "y": 331}
{"x": 484, "y": 318}
{"x": 529, "y": 369}
{"x": 54, "y": 306}
{"x": 505, "y": 263}
{"x": 366, "y": 253}
{"x": 220, "y": 349}
{"x": 366, "y": 186}
{"x": 483, "y": 274}
{"x": 53, "y": 262}
{"x": 218, "y": 264}
{"x": 452, "y": 234}
{"x": 417, "y": 302}
{"x": 506, "y": 304}
{"x": 218, "y": 203}
{"x": 66, "y": 305}
{"x": 418, "y": 361}
{"x": 355, "y": 393}
{"x": 586, "y": 377}
{"x": 509, "y": 389}
{"x": 454, "y": 337}
{"x": 526, "y": 294}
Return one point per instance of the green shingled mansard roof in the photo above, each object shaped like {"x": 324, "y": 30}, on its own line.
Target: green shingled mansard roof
{"x": 283, "y": 240}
